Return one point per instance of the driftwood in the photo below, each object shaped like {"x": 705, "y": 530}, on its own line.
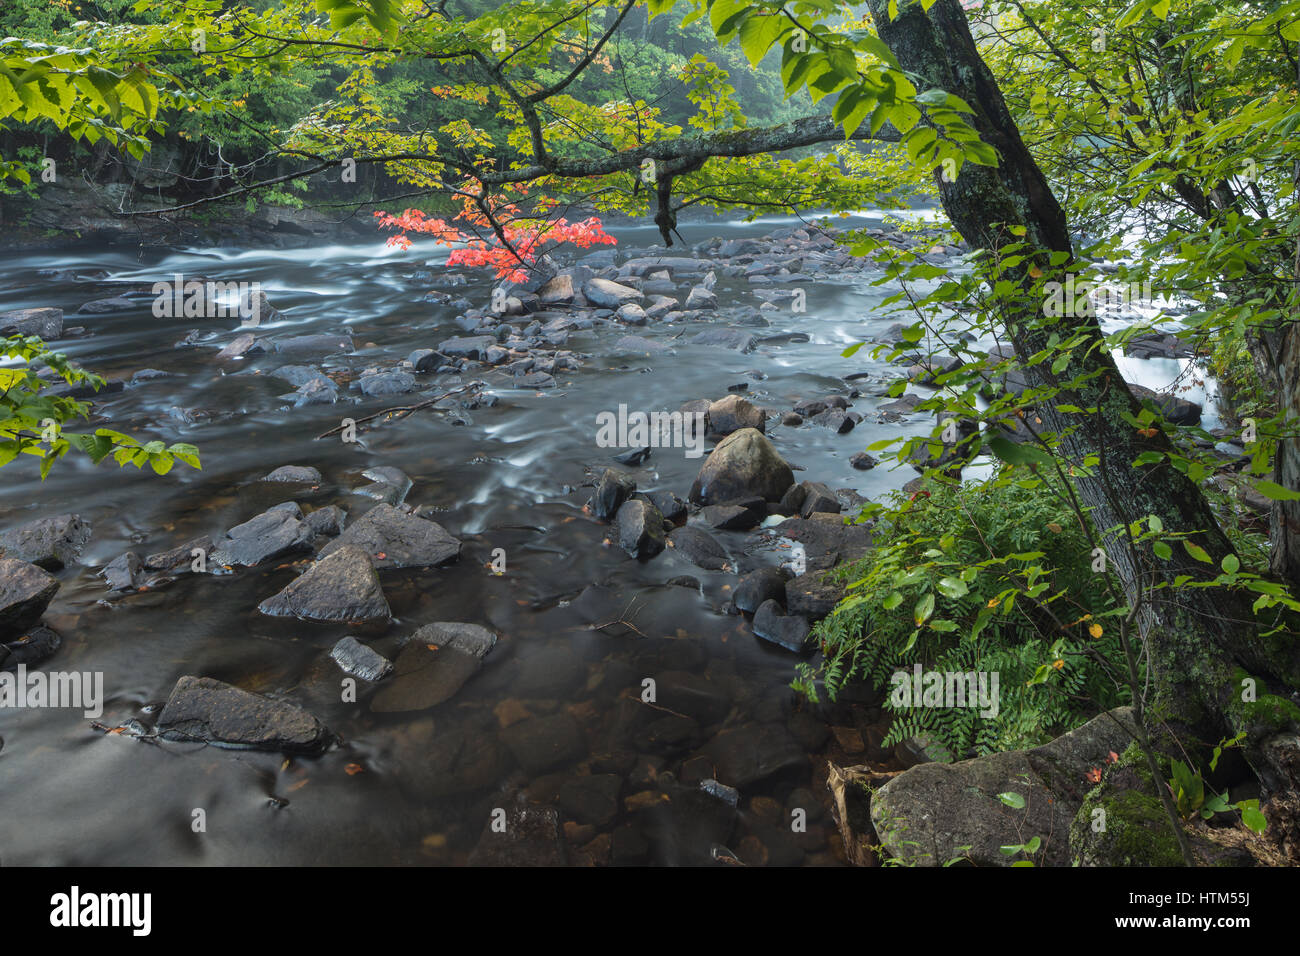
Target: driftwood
{"x": 398, "y": 412}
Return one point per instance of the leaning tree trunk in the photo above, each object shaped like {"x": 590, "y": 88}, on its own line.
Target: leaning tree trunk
{"x": 1198, "y": 640}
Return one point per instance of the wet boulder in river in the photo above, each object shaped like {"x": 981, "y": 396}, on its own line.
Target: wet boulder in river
{"x": 51, "y": 543}
{"x": 25, "y": 592}
{"x": 700, "y": 547}
{"x": 206, "y": 710}
{"x": 342, "y": 587}
{"x": 394, "y": 539}
{"x": 272, "y": 534}
{"x": 613, "y": 488}
{"x": 732, "y": 413}
{"x": 610, "y": 295}
{"x": 787, "y": 630}
{"x": 743, "y": 465}
{"x": 358, "y": 660}
{"x": 758, "y": 587}
{"x": 47, "y": 323}
{"x": 639, "y": 528}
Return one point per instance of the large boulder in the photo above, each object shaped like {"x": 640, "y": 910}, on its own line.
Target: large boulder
{"x": 207, "y": 710}
{"x": 936, "y": 812}
{"x": 743, "y": 465}
{"x": 25, "y": 592}
{"x": 340, "y": 588}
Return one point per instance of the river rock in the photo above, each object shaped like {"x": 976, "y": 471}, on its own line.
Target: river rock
{"x": 700, "y": 547}
{"x": 558, "y": 290}
{"x": 812, "y": 596}
{"x": 342, "y": 587}
{"x": 180, "y": 558}
{"x": 123, "y": 573}
{"x": 314, "y": 345}
{"x": 936, "y": 812}
{"x": 25, "y": 592}
{"x": 732, "y": 413}
{"x": 294, "y": 474}
{"x": 32, "y": 646}
{"x": 394, "y": 539}
{"x": 629, "y": 313}
{"x": 358, "y": 660}
{"x": 207, "y": 710}
{"x": 610, "y": 295}
{"x": 737, "y": 339}
{"x": 545, "y": 743}
{"x": 788, "y": 630}
{"x": 743, "y": 465}
{"x": 272, "y": 534}
{"x": 389, "y": 382}
{"x": 639, "y": 528}
{"x": 241, "y": 345}
{"x": 818, "y": 499}
{"x": 758, "y": 587}
{"x": 700, "y": 298}
{"x": 114, "y": 304}
{"x": 328, "y": 520}
{"x": 670, "y": 506}
{"x": 531, "y": 838}
{"x": 613, "y": 488}
{"x": 746, "y": 755}
{"x": 47, "y": 323}
{"x": 51, "y": 543}
{"x": 739, "y": 515}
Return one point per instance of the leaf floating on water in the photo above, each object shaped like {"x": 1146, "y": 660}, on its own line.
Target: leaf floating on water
{"x": 352, "y": 770}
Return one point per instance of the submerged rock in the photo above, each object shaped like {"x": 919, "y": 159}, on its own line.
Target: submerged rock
{"x": 529, "y": 837}
{"x": 434, "y": 665}
{"x": 639, "y": 528}
{"x": 207, "y": 710}
{"x": 342, "y": 587}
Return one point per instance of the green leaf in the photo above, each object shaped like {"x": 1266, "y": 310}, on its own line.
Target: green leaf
{"x": 1270, "y": 489}
{"x": 1014, "y": 800}
{"x": 951, "y": 587}
{"x": 924, "y": 608}
{"x": 1197, "y": 552}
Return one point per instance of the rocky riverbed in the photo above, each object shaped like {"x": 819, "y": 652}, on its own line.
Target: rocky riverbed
{"x": 414, "y": 608}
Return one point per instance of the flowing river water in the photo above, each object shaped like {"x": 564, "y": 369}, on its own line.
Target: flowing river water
{"x": 581, "y": 625}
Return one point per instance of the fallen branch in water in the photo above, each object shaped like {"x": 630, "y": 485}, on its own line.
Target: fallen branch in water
{"x": 403, "y": 410}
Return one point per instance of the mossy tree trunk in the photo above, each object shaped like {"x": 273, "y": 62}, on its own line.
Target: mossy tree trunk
{"x": 1199, "y": 641}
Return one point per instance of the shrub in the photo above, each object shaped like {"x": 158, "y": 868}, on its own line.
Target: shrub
{"x": 993, "y": 576}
